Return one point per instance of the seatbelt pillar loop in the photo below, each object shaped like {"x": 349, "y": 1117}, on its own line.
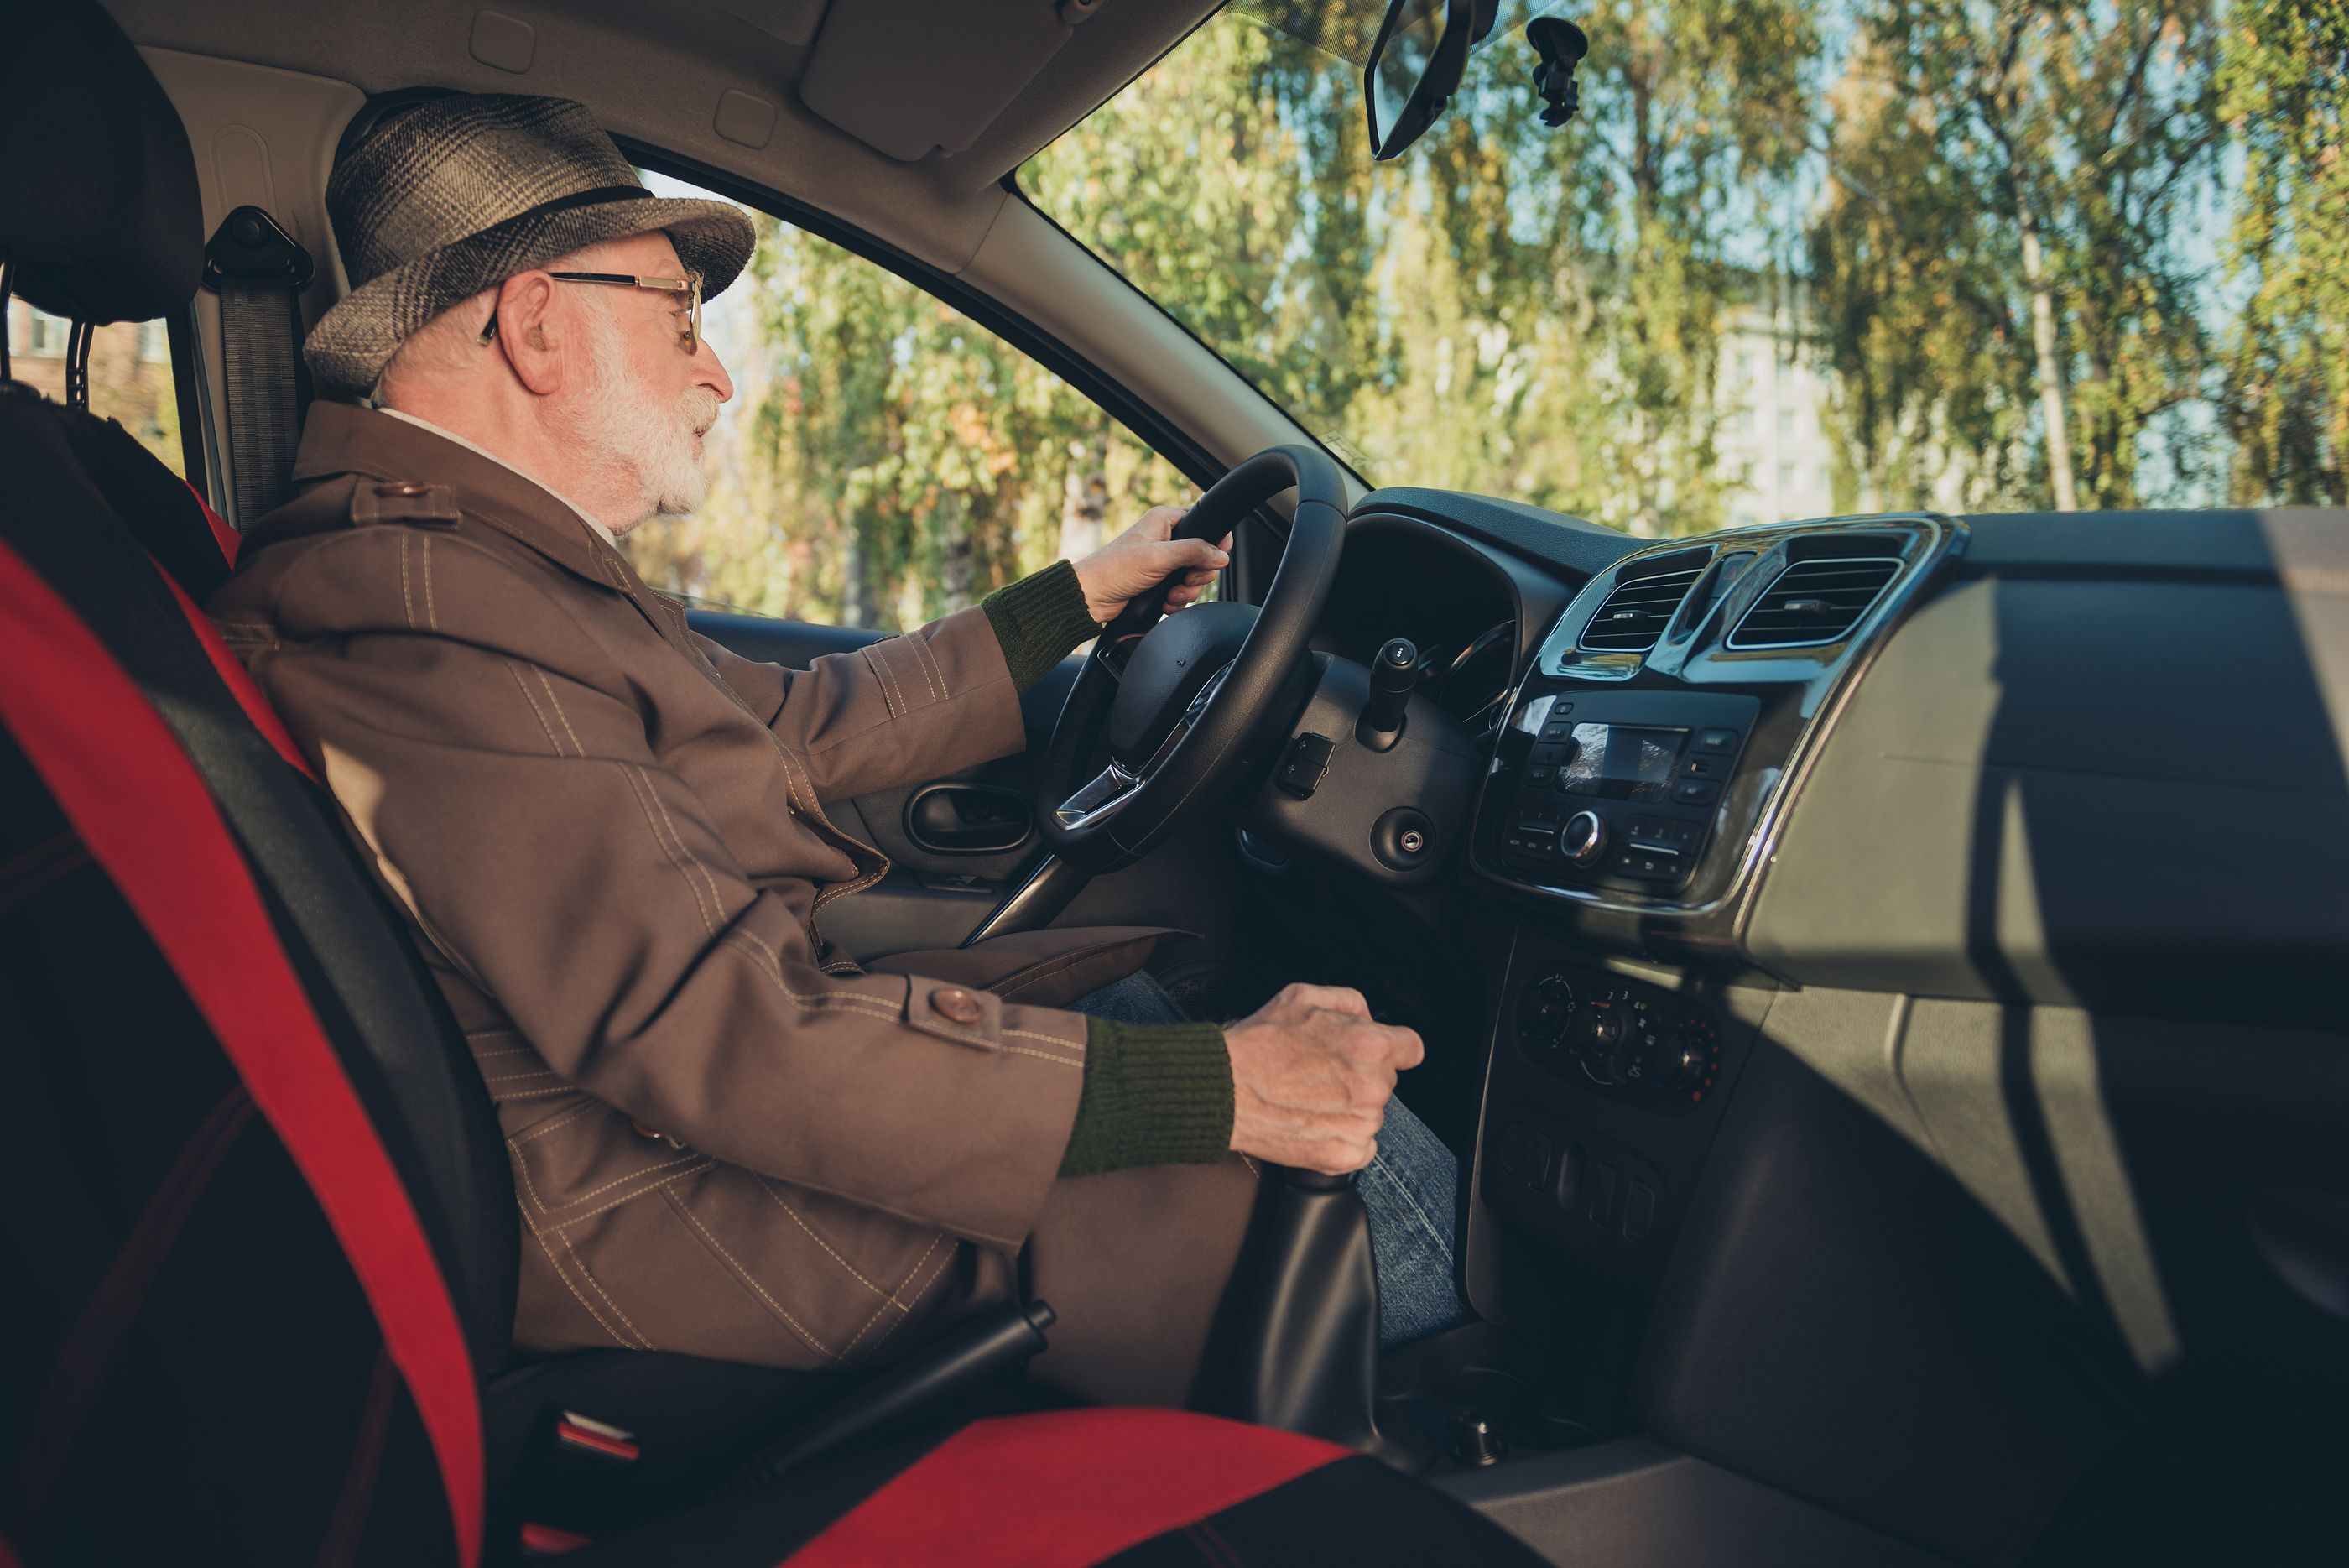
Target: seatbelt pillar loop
{"x": 259, "y": 271}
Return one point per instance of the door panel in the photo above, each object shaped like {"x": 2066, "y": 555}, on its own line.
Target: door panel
{"x": 933, "y": 896}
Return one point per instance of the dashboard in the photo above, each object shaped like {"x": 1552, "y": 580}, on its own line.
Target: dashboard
{"x": 1996, "y": 824}
{"x": 1902, "y": 944}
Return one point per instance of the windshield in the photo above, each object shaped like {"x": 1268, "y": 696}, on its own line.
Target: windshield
{"x": 1794, "y": 257}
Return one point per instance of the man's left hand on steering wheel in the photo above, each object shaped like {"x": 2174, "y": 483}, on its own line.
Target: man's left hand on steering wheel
{"x": 1145, "y": 555}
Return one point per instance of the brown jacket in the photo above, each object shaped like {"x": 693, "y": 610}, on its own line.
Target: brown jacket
{"x": 726, "y": 1138}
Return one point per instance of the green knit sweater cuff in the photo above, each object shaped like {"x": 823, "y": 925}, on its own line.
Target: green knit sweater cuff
{"x": 1155, "y": 1094}
{"x": 1037, "y": 619}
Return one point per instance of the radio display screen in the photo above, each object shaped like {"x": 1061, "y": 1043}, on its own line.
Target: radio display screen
{"x": 1621, "y": 764}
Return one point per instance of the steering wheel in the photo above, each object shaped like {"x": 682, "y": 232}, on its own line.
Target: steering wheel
{"x": 1181, "y": 697}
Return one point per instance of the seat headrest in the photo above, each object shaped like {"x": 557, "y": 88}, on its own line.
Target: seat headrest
{"x": 99, "y": 206}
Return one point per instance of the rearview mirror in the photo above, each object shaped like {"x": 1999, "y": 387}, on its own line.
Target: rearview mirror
{"x": 1415, "y": 65}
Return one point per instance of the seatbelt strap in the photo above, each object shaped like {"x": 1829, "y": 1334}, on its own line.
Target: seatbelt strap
{"x": 259, "y": 271}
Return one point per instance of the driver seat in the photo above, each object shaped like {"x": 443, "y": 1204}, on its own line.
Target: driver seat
{"x": 267, "y": 1290}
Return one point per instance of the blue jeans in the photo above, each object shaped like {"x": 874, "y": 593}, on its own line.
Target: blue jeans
{"x": 1407, "y": 1189}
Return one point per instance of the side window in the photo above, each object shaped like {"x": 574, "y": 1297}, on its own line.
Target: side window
{"x": 885, "y": 460}
{"x": 129, "y": 374}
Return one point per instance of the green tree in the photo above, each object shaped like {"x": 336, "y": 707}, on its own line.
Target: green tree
{"x": 2017, "y": 169}
{"x": 2285, "y": 81}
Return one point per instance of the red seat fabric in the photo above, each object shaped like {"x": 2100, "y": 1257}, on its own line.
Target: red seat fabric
{"x": 140, "y": 811}
{"x": 1113, "y": 1477}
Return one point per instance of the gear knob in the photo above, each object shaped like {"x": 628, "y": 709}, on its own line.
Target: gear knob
{"x": 1393, "y": 672}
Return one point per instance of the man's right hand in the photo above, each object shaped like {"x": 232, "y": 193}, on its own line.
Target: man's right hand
{"x": 1312, "y": 1075}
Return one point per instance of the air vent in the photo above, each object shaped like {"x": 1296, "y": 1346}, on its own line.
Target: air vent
{"x": 1636, "y": 612}
{"x": 1815, "y": 601}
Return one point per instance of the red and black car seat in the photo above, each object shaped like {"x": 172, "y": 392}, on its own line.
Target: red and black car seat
{"x": 258, "y": 1257}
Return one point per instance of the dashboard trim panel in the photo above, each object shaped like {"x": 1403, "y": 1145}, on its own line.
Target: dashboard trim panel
{"x": 1803, "y": 689}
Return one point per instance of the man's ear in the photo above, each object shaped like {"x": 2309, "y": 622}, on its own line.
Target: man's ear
{"x": 530, "y": 333}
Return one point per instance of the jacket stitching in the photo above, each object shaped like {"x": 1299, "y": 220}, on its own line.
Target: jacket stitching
{"x": 821, "y": 999}
{"x": 716, "y": 898}
{"x": 542, "y": 1128}
{"x": 877, "y": 654}
{"x": 601, "y": 1294}
{"x": 509, "y": 1051}
{"x": 1040, "y": 1055}
{"x": 906, "y": 1308}
{"x": 744, "y": 1275}
{"x": 518, "y": 1078}
{"x": 556, "y": 703}
{"x": 572, "y": 1252}
{"x": 558, "y": 1227}
{"x": 791, "y": 774}
{"x": 880, "y": 1009}
{"x": 843, "y": 890}
{"x": 930, "y": 670}
{"x": 888, "y": 699}
{"x": 432, "y": 615}
{"x": 1048, "y": 1038}
{"x": 491, "y": 1033}
{"x": 889, "y": 1298}
{"x": 624, "y": 1198}
{"x": 554, "y": 1263}
{"x": 769, "y": 1188}
{"x": 550, "y": 1211}
{"x": 534, "y": 1094}
{"x": 407, "y": 599}
{"x": 514, "y": 669}
{"x": 912, "y": 644}
{"x": 670, "y": 851}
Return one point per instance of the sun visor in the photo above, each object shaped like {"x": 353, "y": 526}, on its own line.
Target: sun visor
{"x": 917, "y": 75}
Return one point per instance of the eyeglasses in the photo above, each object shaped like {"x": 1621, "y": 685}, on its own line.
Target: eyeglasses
{"x": 689, "y": 286}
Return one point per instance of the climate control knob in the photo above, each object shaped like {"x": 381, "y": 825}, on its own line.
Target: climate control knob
{"x": 1583, "y": 839}
{"x": 1682, "y": 1067}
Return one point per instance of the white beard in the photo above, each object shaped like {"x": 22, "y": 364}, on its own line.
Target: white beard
{"x": 635, "y": 450}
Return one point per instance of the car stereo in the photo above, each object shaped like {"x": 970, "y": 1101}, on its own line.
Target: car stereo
{"x": 1613, "y": 789}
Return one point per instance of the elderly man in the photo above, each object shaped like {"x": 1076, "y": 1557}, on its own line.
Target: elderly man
{"x": 726, "y": 1137}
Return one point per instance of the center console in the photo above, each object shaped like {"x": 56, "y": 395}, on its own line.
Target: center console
{"x": 1632, "y": 801}
{"x": 1652, "y": 744}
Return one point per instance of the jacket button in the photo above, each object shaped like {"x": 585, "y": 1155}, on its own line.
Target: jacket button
{"x": 957, "y": 1005}
{"x": 401, "y": 487}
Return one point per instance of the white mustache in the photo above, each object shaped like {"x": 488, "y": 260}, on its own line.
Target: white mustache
{"x": 697, "y": 409}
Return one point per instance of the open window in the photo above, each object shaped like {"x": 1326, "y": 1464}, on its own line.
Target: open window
{"x": 888, "y": 458}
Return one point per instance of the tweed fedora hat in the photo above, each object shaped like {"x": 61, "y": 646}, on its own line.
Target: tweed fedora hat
{"x": 465, "y": 192}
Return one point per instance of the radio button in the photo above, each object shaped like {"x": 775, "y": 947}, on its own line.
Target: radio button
{"x": 1695, "y": 792}
{"x": 1716, "y": 739}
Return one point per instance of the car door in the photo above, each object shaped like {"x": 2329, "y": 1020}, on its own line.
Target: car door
{"x": 889, "y": 460}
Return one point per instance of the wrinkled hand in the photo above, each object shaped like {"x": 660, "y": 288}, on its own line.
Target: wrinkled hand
{"x": 1312, "y": 1075}
{"x": 1140, "y": 558}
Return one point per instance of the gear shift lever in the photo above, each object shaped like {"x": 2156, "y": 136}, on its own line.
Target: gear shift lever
{"x": 1393, "y": 673}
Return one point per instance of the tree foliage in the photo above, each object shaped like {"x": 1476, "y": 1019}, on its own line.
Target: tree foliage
{"x": 2066, "y": 253}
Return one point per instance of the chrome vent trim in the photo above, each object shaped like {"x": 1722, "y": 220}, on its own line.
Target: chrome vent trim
{"x": 1816, "y": 602}
{"x": 1636, "y": 612}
